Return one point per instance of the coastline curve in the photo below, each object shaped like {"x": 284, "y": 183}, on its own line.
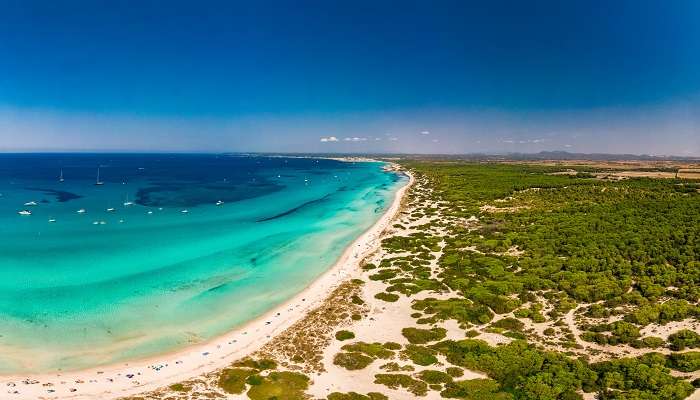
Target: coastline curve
{"x": 142, "y": 375}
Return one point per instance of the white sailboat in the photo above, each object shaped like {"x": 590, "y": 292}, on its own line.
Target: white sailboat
{"x": 127, "y": 203}
{"x": 60, "y": 178}
{"x": 98, "y": 182}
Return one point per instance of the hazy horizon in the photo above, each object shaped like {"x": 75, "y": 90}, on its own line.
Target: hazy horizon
{"x": 414, "y": 78}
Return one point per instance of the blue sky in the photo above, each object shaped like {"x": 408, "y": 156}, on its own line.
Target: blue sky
{"x": 458, "y": 77}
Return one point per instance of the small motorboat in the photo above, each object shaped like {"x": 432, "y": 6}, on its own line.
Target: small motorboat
{"x": 184, "y": 211}
{"x": 30, "y": 203}
{"x": 111, "y": 209}
{"x": 81, "y": 211}
{"x": 52, "y": 220}
{"x": 24, "y": 212}
{"x": 218, "y": 203}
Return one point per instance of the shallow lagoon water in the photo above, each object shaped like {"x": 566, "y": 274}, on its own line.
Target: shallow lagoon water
{"x": 103, "y": 286}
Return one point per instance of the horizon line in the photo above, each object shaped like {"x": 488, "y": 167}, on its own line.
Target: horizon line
{"x": 472, "y": 154}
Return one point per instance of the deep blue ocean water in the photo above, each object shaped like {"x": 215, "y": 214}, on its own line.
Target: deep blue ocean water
{"x": 153, "y": 263}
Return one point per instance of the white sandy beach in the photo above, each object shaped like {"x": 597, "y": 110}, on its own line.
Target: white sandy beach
{"x": 125, "y": 379}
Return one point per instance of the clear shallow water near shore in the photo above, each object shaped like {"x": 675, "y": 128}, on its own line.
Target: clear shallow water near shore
{"x": 103, "y": 286}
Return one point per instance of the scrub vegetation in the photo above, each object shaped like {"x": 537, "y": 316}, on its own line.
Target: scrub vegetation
{"x": 259, "y": 380}
{"x": 523, "y": 281}
{"x": 550, "y": 263}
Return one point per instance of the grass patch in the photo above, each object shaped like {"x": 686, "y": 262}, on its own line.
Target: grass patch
{"x": 511, "y": 324}
{"x": 179, "y": 387}
{"x": 392, "y": 346}
{"x": 262, "y": 364}
{"x": 280, "y": 385}
{"x": 344, "y": 335}
{"x": 352, "y": 361}
{"x": 434, "y": 377}
{"x": 388, "y": 297}
{"x": 254, "y": 380}
{"x": 232, "y": 380}
{"x": 422, "y": 336}
{"x": 420, "y": 355}
{"x": 395, "y": 367}
{"x": 396, "y": 381}
{"x": 384, "y": 275}
{"x": 374, "y": 350}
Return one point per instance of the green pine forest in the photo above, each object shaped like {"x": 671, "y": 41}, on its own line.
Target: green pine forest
{"x": 611, "y": 256}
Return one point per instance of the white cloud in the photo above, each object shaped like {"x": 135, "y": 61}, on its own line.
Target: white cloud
{"x": 329, "y": 139}
{"x": 568, "y": 145}
{"x": 523, "y": 141}
{"x": 393, "y": 139}
{"x": 425, "y": 133}
{"x": 355, "y": 139}
{"x": 435, "y": 140}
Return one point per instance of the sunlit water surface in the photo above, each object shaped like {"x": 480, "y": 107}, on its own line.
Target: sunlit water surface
{"x": 122, "y": 281}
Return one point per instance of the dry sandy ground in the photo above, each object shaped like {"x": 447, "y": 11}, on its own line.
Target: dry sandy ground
{"x": 629, "y": 169}
{"x": 617, "y": 165}
{"x": 683, "y": 174}
{"x": 383, "y": 324}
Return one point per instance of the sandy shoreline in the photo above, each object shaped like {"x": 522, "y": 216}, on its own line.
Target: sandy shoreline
{"x": 125, "y": 379}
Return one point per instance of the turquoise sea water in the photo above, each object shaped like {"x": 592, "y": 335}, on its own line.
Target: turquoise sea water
{"x": 103, "y": 286}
